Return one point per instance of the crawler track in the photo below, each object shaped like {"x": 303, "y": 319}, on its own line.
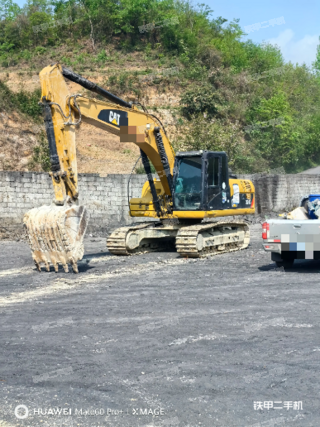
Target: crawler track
{"x": 212, "y": 238}
{"x": 191, "y": 241}
{"x": 117, "y": 241}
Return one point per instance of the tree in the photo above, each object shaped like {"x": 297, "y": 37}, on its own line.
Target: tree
{"x": 316, "y": 64}
{"x": 9, "y": 10}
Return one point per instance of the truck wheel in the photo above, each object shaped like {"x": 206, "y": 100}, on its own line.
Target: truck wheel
{"x": 285, "y": 263}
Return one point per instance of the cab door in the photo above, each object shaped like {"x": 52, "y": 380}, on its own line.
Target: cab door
{"x": 217, "y": 188}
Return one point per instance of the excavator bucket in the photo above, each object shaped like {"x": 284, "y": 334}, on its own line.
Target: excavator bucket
{"x": 56, "y": 234}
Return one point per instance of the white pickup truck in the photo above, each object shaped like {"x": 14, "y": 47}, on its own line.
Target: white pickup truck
{"x": 290, "y": 239}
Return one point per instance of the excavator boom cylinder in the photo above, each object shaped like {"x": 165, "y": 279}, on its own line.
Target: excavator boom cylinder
{"x": 87, "y": 84}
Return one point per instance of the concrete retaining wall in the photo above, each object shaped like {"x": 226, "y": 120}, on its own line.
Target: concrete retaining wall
{"x": 278, "y": 193}
{"x": 106, "y": 197}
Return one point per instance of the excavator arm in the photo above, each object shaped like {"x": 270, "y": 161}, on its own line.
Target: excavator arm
{"x": 56, "y": 232}
{"x": 116, "y": 116}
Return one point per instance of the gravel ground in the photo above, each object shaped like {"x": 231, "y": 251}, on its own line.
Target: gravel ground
{"x": 156, "y": 340}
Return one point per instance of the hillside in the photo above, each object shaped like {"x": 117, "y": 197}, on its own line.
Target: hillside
{"x": 97, "y": 151}
{"x": 211, "y": 90}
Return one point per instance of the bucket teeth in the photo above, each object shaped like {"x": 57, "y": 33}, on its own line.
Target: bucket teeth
{"x": 55, "y": 235}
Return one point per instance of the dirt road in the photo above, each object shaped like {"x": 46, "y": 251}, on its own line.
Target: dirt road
{"x": 156, "y": 340}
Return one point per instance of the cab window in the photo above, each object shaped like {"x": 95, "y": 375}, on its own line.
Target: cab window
{"x": 187, "y": 192}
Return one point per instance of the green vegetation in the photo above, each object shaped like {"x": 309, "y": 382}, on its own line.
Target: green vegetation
{"x": 25, "y": 102}
{"x": 140, "y": 169}
{"x": 41, "y": 155}
{"x": 218, "y": 97}
{"x": 220, "y": 112}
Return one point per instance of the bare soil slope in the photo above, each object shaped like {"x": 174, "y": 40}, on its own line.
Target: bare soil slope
{"x": 98, "y": 151}
{"x": 18, "y": 137}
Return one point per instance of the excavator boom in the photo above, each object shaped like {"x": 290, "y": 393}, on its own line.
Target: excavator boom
{"x": 56, "y": 232}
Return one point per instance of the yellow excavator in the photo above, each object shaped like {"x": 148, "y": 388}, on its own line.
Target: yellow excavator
{"x": 192, "y": 186}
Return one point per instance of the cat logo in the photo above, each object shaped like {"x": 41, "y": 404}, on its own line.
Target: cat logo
{"x": 114, "y": 118}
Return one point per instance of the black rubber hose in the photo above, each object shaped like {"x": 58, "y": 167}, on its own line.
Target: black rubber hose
{"x": 87, "y": 84}
{"x": 54, "y": 158}
{"x": 147, "y": 168}
{"x": 164, "y": 158}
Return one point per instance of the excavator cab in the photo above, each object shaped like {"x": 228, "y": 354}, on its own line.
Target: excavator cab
{"x": 201, "y": 181}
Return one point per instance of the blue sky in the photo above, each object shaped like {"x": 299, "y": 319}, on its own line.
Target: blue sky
{"x": 298, "y": 37}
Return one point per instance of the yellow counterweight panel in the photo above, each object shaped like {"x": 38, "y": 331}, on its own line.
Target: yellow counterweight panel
{"x": 245, "y": 186}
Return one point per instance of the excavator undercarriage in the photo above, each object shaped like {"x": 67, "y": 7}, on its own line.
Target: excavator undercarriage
{"x": 194, "y": 241}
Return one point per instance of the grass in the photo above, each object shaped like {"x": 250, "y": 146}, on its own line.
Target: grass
{"x": 24, "y": 102}
{"x": 140, "y": 169}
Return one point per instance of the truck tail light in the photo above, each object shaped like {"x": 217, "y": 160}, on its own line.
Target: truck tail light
{"x": 252, "y": 202}
{"x": 265, "y": 229}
